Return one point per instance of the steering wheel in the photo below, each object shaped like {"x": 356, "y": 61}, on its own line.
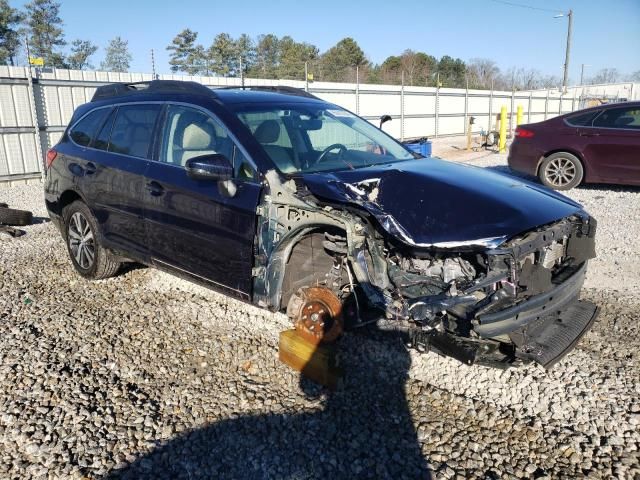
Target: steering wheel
{"x": 324, "y": 153}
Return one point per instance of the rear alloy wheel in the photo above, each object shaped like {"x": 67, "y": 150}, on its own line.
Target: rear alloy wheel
{"x": 561, "y": 171}
{"x": 89, "y": 258}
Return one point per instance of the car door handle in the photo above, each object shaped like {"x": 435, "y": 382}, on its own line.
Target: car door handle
{"x": 585, "y": 134}
{"x": 89, "y": 168}
{"x": 155, "y": 189}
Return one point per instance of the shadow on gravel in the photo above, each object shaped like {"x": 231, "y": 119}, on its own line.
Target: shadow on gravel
{"x": 364, "y": 430}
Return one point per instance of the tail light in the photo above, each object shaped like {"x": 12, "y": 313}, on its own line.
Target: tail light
{"x": 524, "y": 133}
{"x": 51, "y": 156}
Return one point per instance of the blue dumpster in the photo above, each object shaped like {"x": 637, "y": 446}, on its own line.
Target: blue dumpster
{"x": 423, "y": 147}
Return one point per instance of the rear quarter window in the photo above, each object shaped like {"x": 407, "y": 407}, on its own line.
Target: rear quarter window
{"x": 132, "y": 129}
{"x": 582, "y": 119}
{"x": 85, "y": 130}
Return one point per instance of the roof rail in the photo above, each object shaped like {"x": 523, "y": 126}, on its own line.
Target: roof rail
{"x": 299, "y": 92}
{"x": 155, "y": 86}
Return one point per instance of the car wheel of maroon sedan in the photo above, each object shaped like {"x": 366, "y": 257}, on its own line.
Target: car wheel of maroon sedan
{"x": 561, "y": 171}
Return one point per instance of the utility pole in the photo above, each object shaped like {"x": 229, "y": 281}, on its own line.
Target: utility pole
{"x": 241, "y": 73}
{"x": 306, "y": 76}
{"x": 582, "y": 73}
{"x": 565, "y": 79}
{"x": 153, "y": 65}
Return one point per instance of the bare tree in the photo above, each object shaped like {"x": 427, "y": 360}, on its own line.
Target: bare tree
{"x": 606, "y": 75}
{"x": 482, "y": 72}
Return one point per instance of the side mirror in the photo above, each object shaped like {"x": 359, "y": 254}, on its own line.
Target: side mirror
{"x": 209, "y": 167}
{"x": 384, "y": 119}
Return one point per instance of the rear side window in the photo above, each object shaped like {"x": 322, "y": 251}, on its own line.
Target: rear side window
{"x": 582, "y": 119}
{"x": 84, "y": 131}
{"x": 132, "y": 129}
{"x": 628, "y": 118}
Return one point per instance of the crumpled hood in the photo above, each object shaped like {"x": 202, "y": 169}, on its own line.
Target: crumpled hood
{"x": 435, "y": 203}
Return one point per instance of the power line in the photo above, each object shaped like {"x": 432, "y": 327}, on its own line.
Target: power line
{"x": 530, "y": 7}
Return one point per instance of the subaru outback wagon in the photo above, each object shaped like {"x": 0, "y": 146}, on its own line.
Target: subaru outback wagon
{"x": 278, "y": 198}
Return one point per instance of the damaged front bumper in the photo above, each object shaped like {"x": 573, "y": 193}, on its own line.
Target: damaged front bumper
{"x": 542, "y": 329}
{"x": 532, "y": 313}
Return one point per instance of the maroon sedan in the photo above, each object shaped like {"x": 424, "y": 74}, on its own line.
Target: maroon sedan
{"x": 595, "y": 145}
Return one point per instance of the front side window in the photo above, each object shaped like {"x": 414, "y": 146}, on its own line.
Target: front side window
{"x": 619, "y": 118}
{"x": 191, "y": 133}
{"x": 309, "y": 137}
{"x": 84, "y": 131}
{"x": 132, "y": 130}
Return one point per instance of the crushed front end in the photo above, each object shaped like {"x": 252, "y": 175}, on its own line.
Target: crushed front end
{"x": 500, "y": 300}
{"x": 516, "y": 302}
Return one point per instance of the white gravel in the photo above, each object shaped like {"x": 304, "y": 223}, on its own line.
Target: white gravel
{"x": 149, "y": 376}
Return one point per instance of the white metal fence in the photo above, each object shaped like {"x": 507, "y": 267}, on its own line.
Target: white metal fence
{"x": 35, "y": 110}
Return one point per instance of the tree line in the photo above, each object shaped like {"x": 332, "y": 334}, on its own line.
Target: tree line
{"x": 43, "y": 29}
{"x": 265, "y": 56}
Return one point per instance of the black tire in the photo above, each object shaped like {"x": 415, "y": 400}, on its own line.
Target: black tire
{"x": 3, "y": 205}
{"x": 561, "y": 171}
{"x": 11, "y": 216}
{"x": 88, "y": 257}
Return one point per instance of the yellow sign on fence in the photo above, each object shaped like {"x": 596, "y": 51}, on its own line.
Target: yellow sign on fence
{"x": 37, "y": 61}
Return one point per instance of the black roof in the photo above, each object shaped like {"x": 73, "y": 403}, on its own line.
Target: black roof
{"x": 249, "y": 94}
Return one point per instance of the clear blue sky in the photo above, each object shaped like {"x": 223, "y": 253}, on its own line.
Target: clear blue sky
{"x": 606, "y": 33}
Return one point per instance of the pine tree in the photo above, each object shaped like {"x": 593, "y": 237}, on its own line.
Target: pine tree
{"x": 222, "y": 55}
{"x": 81, "y": 50}
{"x": 293, "y": 56}
{"x": 267, "y": 57}
{"x": 340, "y": 59}
{"x": 45, "y": 31}
{"x": 9, "y": 39}
{"x": 185, "y": 55}
{"x": 244, "y": 49}
{"x": 117, "y": 57}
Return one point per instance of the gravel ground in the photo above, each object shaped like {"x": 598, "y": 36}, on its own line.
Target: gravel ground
{"x": 148, "y": 376}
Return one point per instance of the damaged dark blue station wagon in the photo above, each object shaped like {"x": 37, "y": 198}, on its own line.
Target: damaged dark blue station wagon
{"x": 276, "y": 197}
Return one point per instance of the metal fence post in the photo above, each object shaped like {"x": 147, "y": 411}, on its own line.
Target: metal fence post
{"x": 35, "y": 120}
{"x": 560, "y": 106}
{"x": 546, "y": 105}
{"x": 466, "y": 104}
{"x": 357, "y": 90}
{"x": 529, "y": 107}
{"x": 402, "y": 108}
{"x": 490, "y": 127}
{"x": 437, "y": 105}
{"x": 513, "y": 93}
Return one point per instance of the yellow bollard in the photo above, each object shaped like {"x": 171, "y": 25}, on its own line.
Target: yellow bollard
{"x": 519, "y": 116}
{"x": 503, "y": 129}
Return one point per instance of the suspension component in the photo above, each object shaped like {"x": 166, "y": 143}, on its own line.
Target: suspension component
{"x": 316, "y": 313}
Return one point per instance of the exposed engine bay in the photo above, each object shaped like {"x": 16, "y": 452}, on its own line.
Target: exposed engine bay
{"x": 493, "y": 302}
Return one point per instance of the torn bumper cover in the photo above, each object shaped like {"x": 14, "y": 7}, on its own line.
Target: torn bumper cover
{"x": 543, "y": 326}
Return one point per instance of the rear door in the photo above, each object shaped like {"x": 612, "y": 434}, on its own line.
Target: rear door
{"x": 196, "y": 226}
{"x": 613, "y": 148}
{"x": 120, "y": 156}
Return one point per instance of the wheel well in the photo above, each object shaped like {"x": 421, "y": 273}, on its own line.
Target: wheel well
{"x": 67, "y": 198}
{"x": 562, "y": 150}
{"x": 309, "y": 263}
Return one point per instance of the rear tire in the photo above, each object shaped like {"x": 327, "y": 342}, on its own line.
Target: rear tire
{"x": 561, "y": 171}
{"x": 11, "y": 216}
{"x": 89, "y": 257}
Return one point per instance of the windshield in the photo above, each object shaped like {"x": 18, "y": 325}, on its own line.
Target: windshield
{"x": 302, "y": 138}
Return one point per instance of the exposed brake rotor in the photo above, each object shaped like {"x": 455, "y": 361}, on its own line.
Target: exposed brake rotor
{"x": 316, "y": 313}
